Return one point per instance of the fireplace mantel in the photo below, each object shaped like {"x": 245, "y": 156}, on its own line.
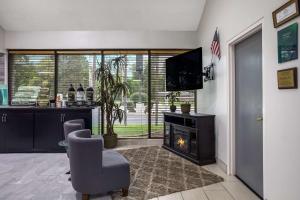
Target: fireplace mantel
{"x": 191, "y": 136}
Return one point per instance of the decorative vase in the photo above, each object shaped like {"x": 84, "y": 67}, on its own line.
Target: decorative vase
{"x": 185, "y": 108}
{"x": 172, "y": 108}
{"x": 110, "y": 140}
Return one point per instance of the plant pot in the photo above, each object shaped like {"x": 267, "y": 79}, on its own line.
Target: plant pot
{"x": 172, "y": 108}
{"x": 185, "y": 108}
{"x": 110, "y": 141}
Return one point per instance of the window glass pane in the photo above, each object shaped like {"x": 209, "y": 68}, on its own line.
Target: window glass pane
{"x": 135, "y": 73}
{"x": 2, "y": 69}
{"x": 31, "y": 78}
{"x": 75, "y": 68}
{"x": 159, "y": 103}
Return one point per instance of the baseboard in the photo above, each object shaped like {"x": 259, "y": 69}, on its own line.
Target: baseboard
{"x": 222, "y": 165}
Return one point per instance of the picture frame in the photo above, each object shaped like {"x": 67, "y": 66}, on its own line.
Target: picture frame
{"x": 286, "y": 12}
{"x": 287, "y": 43}
{"x": 287, "y": 78}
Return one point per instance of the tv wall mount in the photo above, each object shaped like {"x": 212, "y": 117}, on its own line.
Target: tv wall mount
{"x": 208, "y": 72}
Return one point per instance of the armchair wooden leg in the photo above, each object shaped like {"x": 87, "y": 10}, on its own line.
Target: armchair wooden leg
{"x": 124, "y": 192}
{"x": 85, "y": 197}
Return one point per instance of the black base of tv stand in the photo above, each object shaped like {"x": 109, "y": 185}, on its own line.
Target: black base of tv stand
{"x": 191, "y": 136}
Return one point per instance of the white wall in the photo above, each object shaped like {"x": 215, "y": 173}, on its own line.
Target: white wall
{"x": 100, "y": 39}
{"x": 281, "y": 107}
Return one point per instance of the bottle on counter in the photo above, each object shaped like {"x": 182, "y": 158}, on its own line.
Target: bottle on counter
{"x": 58, "y": 101}
{"x": 89, "y": 96}
{"x": 64, "y": 103}
{"x": 80, "y": 95}
{"x": 52, "y": 103}
{"x": 71, "y": 94}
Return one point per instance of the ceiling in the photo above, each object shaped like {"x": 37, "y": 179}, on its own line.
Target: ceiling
{"x": 83, "y": 15}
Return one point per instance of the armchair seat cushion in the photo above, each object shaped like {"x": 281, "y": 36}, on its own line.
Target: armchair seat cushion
{"x": 115, "y": 169}
{"x": 113, "y": 159}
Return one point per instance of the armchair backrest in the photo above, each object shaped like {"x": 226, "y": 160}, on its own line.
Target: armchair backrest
{"x": 73, "y": 125}
{"x": 85, "y": 159}
{"x": 77, "y": 121}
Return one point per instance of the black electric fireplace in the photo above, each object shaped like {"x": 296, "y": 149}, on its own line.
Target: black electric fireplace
{"x": 190, "y": 136}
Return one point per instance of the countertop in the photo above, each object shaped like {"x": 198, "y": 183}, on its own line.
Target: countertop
{"x": 44, "y": 108}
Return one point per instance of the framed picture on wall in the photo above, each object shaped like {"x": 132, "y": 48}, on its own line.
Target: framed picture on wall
{"x": 288, "y": 43}
{"x": 287, "y": 78}
{"x": 285, "y": 13}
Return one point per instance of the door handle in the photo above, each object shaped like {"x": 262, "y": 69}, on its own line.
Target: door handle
{"x": 62, "y": 118}
{"x": 259, "y": 119}
{"x": 2, "y": 119}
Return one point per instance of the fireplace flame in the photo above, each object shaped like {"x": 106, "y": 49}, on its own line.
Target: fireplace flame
{"x": 180, "y": 142}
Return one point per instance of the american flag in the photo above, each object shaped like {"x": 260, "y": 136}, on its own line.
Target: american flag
{"x": 215, "y": 45}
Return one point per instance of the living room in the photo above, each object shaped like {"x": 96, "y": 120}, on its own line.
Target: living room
{"x": 110, "y": 66}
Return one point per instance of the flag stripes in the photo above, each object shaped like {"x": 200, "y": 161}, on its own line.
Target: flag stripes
{"x": 215, "y": 45}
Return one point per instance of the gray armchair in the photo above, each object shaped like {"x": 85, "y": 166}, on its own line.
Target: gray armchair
{"x": 70, "y": 126}
{"x": 94, "y": 170}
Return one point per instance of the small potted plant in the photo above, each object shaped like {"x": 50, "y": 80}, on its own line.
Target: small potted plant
{"x": 173, "y": 97}
{"x": 185, "y": 108}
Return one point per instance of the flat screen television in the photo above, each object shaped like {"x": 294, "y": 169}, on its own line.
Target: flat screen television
{"x": 184, "y": 71}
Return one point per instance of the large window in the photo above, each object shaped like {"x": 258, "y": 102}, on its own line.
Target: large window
{"x": 31, "y": 77}
{"x": 31, "y": 72}
{"x": 135, "y": 73}
{"x": 159, "y": 103}
{"x": 2, "y": 69}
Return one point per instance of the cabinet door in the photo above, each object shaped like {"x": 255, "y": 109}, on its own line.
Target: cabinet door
{"x": 80, "y": 114}
{"x": 18, "y": 131}
{"x": 48, "y": 131}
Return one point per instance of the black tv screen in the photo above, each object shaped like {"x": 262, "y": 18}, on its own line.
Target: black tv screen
{"x": 184, "y": 71}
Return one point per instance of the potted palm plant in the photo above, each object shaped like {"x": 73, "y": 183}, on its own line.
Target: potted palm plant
{"x": 111, "y": 88}
{"x": 173, "y": 97}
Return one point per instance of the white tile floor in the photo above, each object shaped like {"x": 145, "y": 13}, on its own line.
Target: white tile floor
{"x": 230, "y": 189}
{"x": 35, "y": 176}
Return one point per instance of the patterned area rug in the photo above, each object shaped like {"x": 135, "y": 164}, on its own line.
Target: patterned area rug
{"x": 156, "y": 172}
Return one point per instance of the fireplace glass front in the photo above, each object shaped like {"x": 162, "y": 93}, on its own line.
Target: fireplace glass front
{"x": 181, "y": 141}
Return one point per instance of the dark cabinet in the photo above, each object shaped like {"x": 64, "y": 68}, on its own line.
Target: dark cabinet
{"x": 37, "y": 129}
{"x": 2, "y": 130}
{"x": 190, "y": 136}
{"x": 18, "y": 129}
{"x": 48, "y": 131}
{"x": 49, "y": 127}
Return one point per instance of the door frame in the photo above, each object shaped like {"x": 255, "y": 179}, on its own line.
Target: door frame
{"x": 254, "y": 28}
